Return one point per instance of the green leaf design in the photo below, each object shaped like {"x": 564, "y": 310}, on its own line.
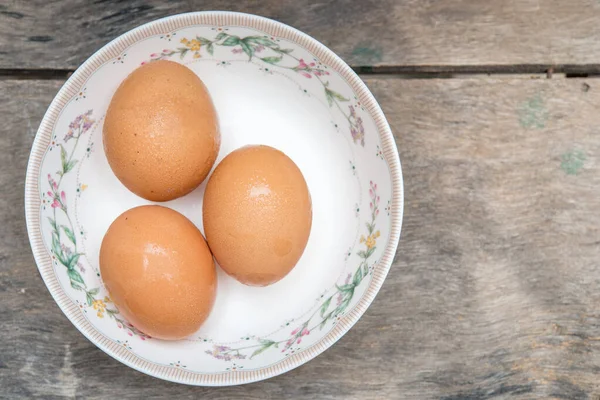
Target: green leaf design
{"x": 370, "y": 227}
{"x": 345, "y": 303}
{"x": 56, "y": 249}
{"x": 369, "y": 252}
{"x": 265, "y": 346}
{"x": 286, "y": 51}
{"x": 329, "y": 98}
{"x": 72, "y": 261}
{"x": 56, "y": 243}
{"x": 332, "y": 95}
{"x": 210, "y": 48}
{"x": 345, "y": 288}
{"x": 89, "y": 298}
{"x": 335, "y": 95}
{"x": 260, "y": 40}
{"x": 325, "y": 319}
{"x": 231, "y": 41}
{"x": 272, "y": 60}
{"x": 325, "y": 306}
{"x": 52, "y": 223}
{"x": 112, "y": 312}
{"x": 203, "y": 41}
{"x": 74, "y": 276}
{"x": 358, "y": 275}
{"x": 69, "y": 233}
{"x": 183, "y": 53}
{"x": 220, "y": 36}
{"x": 94, "y": 291}
{"x": 69, "y": 166}
{"x": 63, "y": 158}
{"x": 366, "y": 269}
{"x": 247, "y": 49}
{"x": 362, "y": 254}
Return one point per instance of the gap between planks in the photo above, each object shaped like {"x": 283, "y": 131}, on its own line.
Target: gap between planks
{"x": 526, "y": 71}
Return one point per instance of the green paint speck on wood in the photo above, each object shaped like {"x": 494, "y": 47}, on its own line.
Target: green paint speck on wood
{"x": 572, "y": 162}
{"x": 367, "y": 54}
{"x": 533, "y": 113}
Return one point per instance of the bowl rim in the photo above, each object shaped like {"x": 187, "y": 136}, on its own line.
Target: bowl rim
{"x": 112, "y": 50}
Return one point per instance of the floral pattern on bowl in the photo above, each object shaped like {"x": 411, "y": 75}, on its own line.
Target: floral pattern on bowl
{"x": 271, "y": 85}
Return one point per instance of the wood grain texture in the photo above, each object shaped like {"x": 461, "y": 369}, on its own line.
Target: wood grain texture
{"x": 497, "y": 268}
{"x": 39, "y": 34}
{"x": 493, "y": 293}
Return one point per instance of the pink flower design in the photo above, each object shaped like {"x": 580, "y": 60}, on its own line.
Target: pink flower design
{"x": 55, "y": 204}
{"x": 63, "y": 196}
{"x": 301, "y": 64}
{"x": 237, "y": 50}
{"x": 356, "y": 127}
{"x": 66, "y": 250}
{"x": 297, "y": 335}
{"x": 319, "y": 72}
{"x": 307, "y": 69}
{"x": 79, "y": 126}
{"x": 375, "y": 199}
{"x": 52, "y": 183}
{"x": 225, "y": 353}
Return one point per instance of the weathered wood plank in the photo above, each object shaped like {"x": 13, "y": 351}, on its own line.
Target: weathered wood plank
{"x": 38, "y": 34}
{"x": 497, "y": 267}
{"x": 494, "y": 291}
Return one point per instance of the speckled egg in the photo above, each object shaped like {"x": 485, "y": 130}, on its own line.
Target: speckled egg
{"x": 158, "y": 271}
{"x": 161, "y": 134}
{"x": 257, "y": 214}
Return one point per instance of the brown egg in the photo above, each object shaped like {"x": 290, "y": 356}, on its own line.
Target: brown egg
{"x": 257, "y": 214}
{"x": 158, "y": 271}
{"x": 161, "y": 134}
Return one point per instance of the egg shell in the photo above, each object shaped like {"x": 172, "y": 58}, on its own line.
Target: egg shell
{"x": 158, "y": 271}
{"x": 161, "y": 135}
{"x": 257, "y": 214}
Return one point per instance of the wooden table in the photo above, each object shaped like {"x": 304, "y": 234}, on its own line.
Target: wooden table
{"x": 495, "y": 290}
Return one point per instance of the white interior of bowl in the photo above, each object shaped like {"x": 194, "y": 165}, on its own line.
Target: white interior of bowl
{"x": 270, "y": 85}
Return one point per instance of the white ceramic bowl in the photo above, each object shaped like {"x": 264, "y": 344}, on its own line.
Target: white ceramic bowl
{"x": 271, "y": 84}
